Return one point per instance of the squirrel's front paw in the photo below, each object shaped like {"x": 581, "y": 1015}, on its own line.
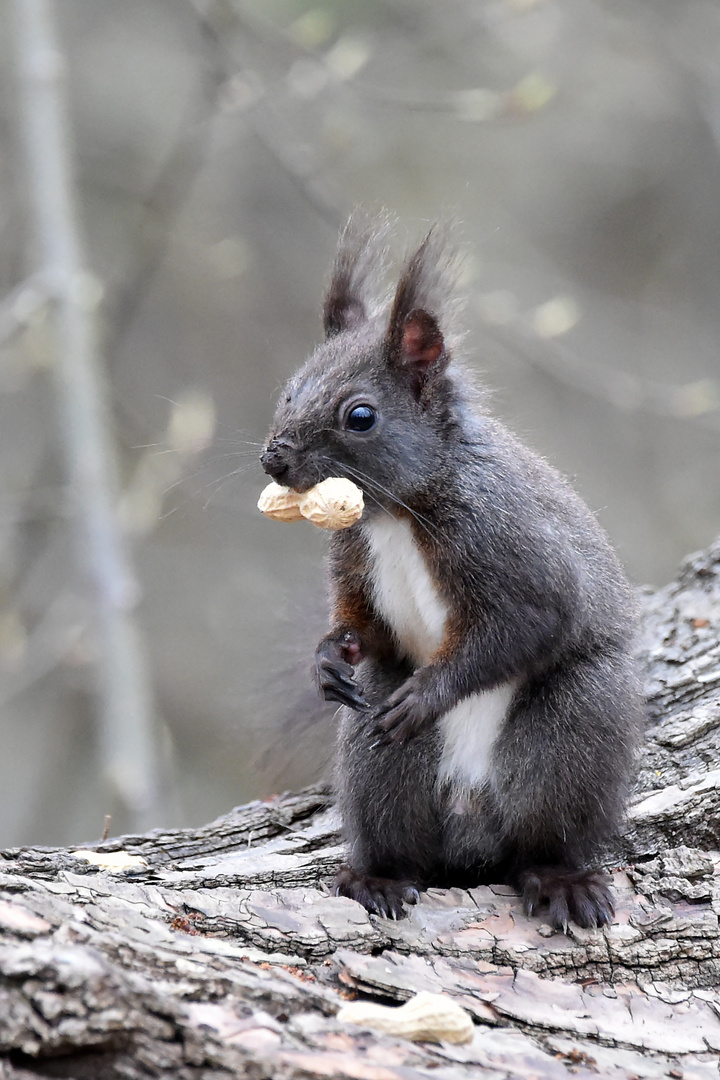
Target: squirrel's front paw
{"x": 404, "y": 715}
{"x": 335, "y": 675}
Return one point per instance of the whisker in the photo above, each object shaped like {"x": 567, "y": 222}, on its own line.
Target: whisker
{"x": 377, "y": 502}
{"x": 187, "y": 477}
{"x": 421, "y": 520}
{"x": 231, "y": 453}
{"x": 168, "y": 513}
{"x": 170, "y": 401}
{"x": 221, "y": 481}
{"x": 176, "y": 483}
{"x": 188, "y": 452}
{"x": 244, "y": 442}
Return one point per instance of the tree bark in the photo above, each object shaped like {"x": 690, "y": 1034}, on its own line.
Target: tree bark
{"x": 219, "y": 951}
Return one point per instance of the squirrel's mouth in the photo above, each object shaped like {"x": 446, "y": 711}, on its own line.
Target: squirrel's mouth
{"x": 283, "y": 462}
{"x": 301, "y": 481}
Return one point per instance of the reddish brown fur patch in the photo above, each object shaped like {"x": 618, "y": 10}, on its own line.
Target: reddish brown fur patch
{"x": 351, "y": 609}
{"x": 455, "y": 633}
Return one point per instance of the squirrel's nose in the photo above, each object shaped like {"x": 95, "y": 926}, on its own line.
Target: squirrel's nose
{"x": 274, "y": 459}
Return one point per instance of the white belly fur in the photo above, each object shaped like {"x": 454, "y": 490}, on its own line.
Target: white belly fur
{"x": 470, "y": 730}
{"x": 406, "y": 597}
{"x": 403, "y": 591}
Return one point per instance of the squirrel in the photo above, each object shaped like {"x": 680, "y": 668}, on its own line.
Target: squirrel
{"x": 481, "y": 629}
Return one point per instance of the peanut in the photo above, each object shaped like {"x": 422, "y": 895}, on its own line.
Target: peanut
{"x": 425, "y": 1018}
{"x": 334, "y": 503}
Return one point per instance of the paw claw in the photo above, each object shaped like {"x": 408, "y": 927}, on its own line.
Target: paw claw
{"x": 384, "y": 897}
{"x": 342, "y": 697}
{"x": 335, "y": 677}
{"x": 404, "y": 715}
{"x": 579, "y": 896}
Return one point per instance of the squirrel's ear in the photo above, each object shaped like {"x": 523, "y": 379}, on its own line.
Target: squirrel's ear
{"x": 422, "y": 346}
{"x": 359, "y": 259}
{"x": 342, "y": 309}
{"x": 415, "y": 342}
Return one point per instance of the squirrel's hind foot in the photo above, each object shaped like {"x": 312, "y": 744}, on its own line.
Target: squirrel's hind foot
{"x": 581, "y": 896}
{"x": 378, "y": 895}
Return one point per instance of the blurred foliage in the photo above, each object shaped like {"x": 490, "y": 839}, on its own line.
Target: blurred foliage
{"x": 219, "y": 144}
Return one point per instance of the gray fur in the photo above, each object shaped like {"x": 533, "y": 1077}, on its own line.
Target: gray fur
{"x": 534, "y": 592}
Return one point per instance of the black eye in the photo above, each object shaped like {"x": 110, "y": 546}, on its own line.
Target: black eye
{"x": 361, "y": 418}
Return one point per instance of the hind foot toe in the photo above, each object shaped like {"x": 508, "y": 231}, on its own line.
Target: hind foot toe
{"x": 581, "y": 896}
{"x": 378, "y": 895}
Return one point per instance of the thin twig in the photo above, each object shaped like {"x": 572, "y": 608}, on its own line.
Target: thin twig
{"x": 166, "y": 199}
{"x": 262, "y": 118}
{"x": 691, "y": 402}
{"x": 129, "y": 740}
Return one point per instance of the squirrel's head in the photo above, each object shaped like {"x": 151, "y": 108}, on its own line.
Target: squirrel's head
{"x": 373, "y": 402}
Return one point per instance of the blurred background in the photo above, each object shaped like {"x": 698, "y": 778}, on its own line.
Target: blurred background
{"x": 217, "y": 147}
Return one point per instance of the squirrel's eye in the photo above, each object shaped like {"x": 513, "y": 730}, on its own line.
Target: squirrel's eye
{"x": 361, "y": 418}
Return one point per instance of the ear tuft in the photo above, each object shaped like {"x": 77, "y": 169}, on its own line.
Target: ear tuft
{"x": 341, "y": 311}
{"x": 359, "y": 261}
{"x": 422, "y": 310}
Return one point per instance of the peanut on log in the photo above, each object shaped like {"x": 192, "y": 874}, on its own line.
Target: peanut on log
{"x": 425, "y": 1018}
{"x": 335, "y": 503}
{"x": 115, "y": 862}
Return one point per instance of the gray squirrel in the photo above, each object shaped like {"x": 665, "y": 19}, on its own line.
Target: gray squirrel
{"x": 481, "y": 627}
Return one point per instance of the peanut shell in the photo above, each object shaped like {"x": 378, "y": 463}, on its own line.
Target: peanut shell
{"x": 425, "y": 1018}
{"x": 335, "y": 503}
{"x": 280, "y": 503}
{"x": 115, "y": 862}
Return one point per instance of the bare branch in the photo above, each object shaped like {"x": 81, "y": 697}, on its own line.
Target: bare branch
{"x": 129, "y": 748}
{"x": 696, "y": 402}
{"x": 167, "y": 198}
{"x": 285, "y": 148}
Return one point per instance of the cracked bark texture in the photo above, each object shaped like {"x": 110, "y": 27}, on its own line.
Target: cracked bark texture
{"x": 221, "y": 952}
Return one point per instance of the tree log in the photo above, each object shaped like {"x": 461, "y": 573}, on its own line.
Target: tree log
{"x": 219, "y": 951}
